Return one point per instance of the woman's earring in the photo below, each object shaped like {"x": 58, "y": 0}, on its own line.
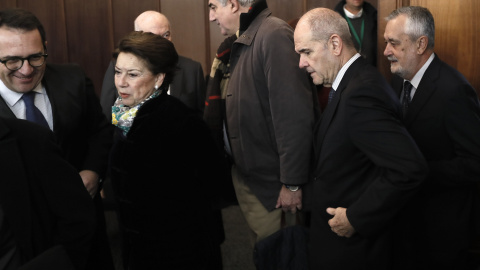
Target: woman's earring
{"x": 156, "y": 87}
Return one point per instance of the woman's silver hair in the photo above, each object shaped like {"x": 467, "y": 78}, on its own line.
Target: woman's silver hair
{"x": 324, "y": 23}
{"x": 243, "y": 3}
{"x": 419, "y": 23}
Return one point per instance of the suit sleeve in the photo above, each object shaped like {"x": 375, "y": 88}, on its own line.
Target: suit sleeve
{"x": 462, "y": 123}
{"x": 291, "y": 104}
{"x": 375, "y": 129}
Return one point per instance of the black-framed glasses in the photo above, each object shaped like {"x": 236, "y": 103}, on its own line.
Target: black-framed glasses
{"x": 16, "y": 63}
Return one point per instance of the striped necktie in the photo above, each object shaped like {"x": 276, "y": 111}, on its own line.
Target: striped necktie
{"x": 32, "y": 113}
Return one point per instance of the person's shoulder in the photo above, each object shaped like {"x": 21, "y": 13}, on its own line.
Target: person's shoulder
{"x": 185, "y": 62}
{"x": 24, "y": 129}
{"x": 446, "y": 73}
{"x": 369, "y": 8}
{"x": 274, "y": 29}
{"x": 68, "y": 69}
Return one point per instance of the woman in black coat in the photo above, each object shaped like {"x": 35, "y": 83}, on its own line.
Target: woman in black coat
{"x": 160, "y": 163}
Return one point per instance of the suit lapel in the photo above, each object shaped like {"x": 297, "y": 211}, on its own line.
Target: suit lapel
{"x": 424, "y": 91}
{"x": 329, "y": 113}
{"x": 50, "y": 83}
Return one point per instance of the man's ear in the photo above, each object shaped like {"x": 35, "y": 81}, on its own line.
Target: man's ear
{"x": 421, "y": 43}
{"x": 335, "y": 44}
{"x": 235, "y": 6}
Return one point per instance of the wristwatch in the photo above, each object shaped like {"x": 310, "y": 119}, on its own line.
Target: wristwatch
{"x": 292, "y": 188}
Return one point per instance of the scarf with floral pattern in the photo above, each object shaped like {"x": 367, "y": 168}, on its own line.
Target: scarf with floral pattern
{"x": 123, "y": 116}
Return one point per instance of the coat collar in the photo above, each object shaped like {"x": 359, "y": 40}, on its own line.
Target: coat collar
{"x": 246, "y": 37}
{"x": 247, "y": 18}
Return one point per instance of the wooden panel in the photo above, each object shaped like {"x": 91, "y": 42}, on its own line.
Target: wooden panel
{"x": 124, "y": 14}
{"x": 8, "y": 3}
{"x": 188, "y": 19}
{"x": 457, "y": 31}
{"x": 51, "y": 15}
{"x": 385, "y": 7}
{"x": 88, "y": 24}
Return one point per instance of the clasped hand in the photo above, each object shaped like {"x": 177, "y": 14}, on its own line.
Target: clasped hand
{"x": 289, "y": 200}
{"x": 339, "y": 223}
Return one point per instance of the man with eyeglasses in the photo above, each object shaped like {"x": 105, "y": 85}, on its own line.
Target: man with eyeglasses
{"x": 61, "y": 98}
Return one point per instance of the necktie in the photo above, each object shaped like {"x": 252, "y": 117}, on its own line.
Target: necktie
{"x": 32, "y": 113}
{"x": 407, "y": 89}
{"x": 331, "y": 94}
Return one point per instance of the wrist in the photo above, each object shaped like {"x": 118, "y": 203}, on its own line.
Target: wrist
{"x": 292, "y": 188}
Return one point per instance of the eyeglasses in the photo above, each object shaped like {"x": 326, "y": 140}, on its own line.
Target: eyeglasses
{"x": 16, "y": 63}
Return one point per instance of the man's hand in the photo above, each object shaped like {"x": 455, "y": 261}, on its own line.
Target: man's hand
{"x": 339, "y": 223}
{"x": 90, "y": 180}
{"x": 289, "y": 200}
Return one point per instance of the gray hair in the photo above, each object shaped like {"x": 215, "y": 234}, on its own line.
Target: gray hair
{"x": 325, "y": 22}
{"x": 419, "y": 23}
{"x": 243, "y": 3}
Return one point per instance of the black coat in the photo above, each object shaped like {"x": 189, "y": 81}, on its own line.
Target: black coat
{"x": 42, "y": 196}
{"x": 163, "y": 183}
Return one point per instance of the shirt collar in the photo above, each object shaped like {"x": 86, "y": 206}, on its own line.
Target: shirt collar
{"x": 342, "y": 71}
{"x": 351, "y": 15}
{"x": 419, "y": 75}
{"x": 12, "y": 97}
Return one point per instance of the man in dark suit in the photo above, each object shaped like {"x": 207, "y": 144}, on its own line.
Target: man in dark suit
{"x": 442, "y": 113}
{"x": 42, "y": 200}
{"x": 367, "y": 167}
{"x": 63, "y": 100}
{"x": 189, "y": 83}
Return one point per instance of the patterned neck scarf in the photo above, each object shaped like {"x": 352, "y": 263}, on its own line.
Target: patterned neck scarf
{"x": 123, "y": 116}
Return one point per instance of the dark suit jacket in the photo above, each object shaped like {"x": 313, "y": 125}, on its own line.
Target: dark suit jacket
{"x": 188, "y": 85}
{"x": 444, "y": 120}
{"x": 42, "y": 196}
{"x": 366, "y": 162}
{"x": 80, "y": 128}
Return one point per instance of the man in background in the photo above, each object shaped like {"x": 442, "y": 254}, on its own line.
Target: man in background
{"x": 442, "y": 113}
{"x": 367, "y": 167}
{"x": 362, "y": 22}
{"x": 188, "y": 84}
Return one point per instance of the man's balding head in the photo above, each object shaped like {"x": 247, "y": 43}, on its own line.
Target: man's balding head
{"x": 153, "y": 22}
